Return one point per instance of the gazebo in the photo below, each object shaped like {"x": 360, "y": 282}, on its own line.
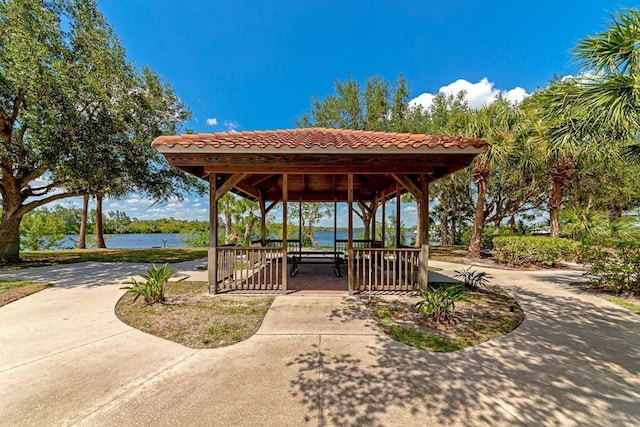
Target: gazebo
{"x": 318, "y": 164}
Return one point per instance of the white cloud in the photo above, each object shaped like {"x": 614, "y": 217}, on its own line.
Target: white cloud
{"x": 476, "y": 94}
{"x": 212, "y": 121}
{"x": 231, "y": 125}
{"x": 515, "y": 95}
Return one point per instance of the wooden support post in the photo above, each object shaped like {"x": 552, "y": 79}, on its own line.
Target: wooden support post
{"x": 384, "y": 220}
{"x": 300, "y": 224}
{"x": 350, "y": 235}
{"x": 398, "y": 208}
{"x": 263, "y": 220}
{"x": 423, "y": 237}
{"x": 335, "y": 227}
{"x": 374, "y": 211}
{"x": 212, "y": 258}
{"x": 285, "y": 199}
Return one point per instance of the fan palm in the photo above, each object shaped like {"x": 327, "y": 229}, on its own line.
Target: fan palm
{"x": 610, "y": 87}
{"x": 500, "y": 124}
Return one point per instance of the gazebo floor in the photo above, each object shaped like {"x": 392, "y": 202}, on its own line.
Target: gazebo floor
{"x": 318, "y": 279}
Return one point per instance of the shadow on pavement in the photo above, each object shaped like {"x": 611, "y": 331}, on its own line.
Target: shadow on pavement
{"x": 569, "y": 363}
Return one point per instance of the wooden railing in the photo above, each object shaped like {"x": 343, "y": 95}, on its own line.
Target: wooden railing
{"x": 292, "y": 245}
{"x": 249, "y": 269}
{"x": 384, "y": 269}
{"x": 341, "y": 244}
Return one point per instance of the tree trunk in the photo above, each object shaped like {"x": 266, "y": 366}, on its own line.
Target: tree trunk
{"x": 10, "y": 238}
{"x": 555, "y": 200}
{"x": 248, "y": 229}
{"x": 366, "y": 222}
{"x": 82, "y": 236}
{"x": 444, "y": 228}
{"x": 561, "y": 172}
{"x": 615, "y": 212}
{"x": 480, "y": 174}
{"x": 512, "y": 224}
{"x": 454, "y": 225}
{"x": 228, "y": 228}
{"x": 99, "y": 228}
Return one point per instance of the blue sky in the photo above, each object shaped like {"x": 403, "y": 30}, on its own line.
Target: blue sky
{"x": 247, "y": 65}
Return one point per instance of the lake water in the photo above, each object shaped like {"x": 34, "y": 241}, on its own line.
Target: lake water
{"x": 162, "y": 240}
{"x": 132, "y": 241}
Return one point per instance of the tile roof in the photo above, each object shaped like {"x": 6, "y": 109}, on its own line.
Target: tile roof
{"x": 314, "y": 138}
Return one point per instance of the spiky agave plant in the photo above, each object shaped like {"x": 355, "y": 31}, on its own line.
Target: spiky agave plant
{"x": 438, "y": 304}
{"x": 153, "y": 288}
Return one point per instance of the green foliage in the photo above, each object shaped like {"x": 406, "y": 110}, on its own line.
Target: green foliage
{"x": 41, "y": 229}
{"x": 438, "y": 304}
{"x": 615, "y": 264}
{"x": 379, "y": 107}
{"x": 153, "y": 288}
{"x": 72, "y": 109}
{"x": 424, "y": 341}
{"x": 486, "y": 243}
{"x": 199, "y": 239}
{"x": 473, "y": 279}
{"x": 523, "y": 250}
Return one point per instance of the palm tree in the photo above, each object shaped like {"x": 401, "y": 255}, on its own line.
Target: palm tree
{"x": 500, "y": 125}
{"x": 568, "y": 134}
{"x": 609, "y": 88}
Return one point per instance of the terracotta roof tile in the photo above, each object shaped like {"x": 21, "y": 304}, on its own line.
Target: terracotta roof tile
{"x": 315, "y": 138}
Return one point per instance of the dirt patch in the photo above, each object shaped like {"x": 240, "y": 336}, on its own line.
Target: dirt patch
{"x": 195, "y": 319}
{"x": 14, "y": 290}
{"x": 489, "y": 315}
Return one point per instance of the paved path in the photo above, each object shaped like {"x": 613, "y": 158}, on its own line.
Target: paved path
{"x": 65, "y": 359}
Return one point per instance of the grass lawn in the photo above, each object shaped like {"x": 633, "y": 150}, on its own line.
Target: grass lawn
{"x": 68, "y": 256}
{"x": 491, "y": 314}
{"x": 195, "y": 319}
{"x": 632, "y": 304}
{"x": 12, "y": 290}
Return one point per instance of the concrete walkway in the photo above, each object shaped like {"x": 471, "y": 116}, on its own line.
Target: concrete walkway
{"x": 65, "y": 359}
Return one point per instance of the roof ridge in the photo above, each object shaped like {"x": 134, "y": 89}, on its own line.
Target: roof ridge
{"x": 316, "y": 137}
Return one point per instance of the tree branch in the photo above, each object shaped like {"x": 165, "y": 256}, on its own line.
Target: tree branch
{"x": 17, "y": 103}
{"x": 24, "y": 209}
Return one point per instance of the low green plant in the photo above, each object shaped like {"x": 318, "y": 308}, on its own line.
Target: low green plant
{"x": 438, "y": 304}
{"x": 615, "y": 264}
{"x": 473, "y": 279}
{"x": 524, "y": 250}
{"x": 153, "y": 288}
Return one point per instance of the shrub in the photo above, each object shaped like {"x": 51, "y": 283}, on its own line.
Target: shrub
{"x": 616, "y": 264}
{"x": 523, "y": 250}
{"x": 473, "y": 279}
{"x": 438, "y": 304}
{"x": 153, "y": 288}
{"x": 40, "y": 230}
{"x": 486, "y": 244}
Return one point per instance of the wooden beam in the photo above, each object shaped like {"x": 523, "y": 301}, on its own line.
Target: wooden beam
{"x": 212, "y": 257}
{"x": 362, "y": 180}
{"x": 398, "y": 219}
{"x": 423, "y": 237}
{"x": 243, "y": 187}
{"x": 311, "y": 168}
{"x": 263, "y": 220}
{"x": 408, "y": 183}
{"x": 229, "y": 183}
{"x": 259, "y": 179}
{"x": 384, "y": 220}
{"x": 364, "y": 205}
{"x": 285, "y": 199}
{"x": 350, "y": 235}
{"x": 271, "y": 206}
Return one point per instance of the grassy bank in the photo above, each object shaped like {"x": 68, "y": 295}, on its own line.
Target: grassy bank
{"x": 69, "y": 256}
